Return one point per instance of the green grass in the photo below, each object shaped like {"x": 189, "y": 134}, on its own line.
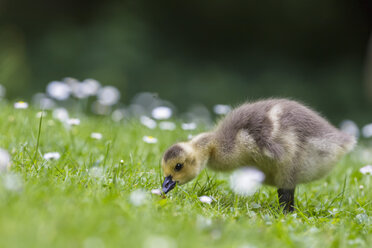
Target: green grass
{"x": 62, "y": 204}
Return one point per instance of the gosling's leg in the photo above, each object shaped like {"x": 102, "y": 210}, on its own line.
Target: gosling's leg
{"x": 286, "y": 199}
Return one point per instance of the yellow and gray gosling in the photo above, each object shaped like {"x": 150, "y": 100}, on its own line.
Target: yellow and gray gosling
{"x": 288, "y": 142}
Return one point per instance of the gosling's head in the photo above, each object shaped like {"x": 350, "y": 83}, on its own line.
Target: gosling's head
{"x": 180, "y": 165}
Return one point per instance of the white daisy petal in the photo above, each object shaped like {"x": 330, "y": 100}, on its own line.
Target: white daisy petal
{"x": 61, "y": 114}
{"x": 41, "y": 114}
{"x": 161, "y": 113}
{"x": 108, "y": 95}
{"x": 73, "y": 122}
{"x": 205, "y": 199}
{"x": 150, "y": 139}
{"x": 156, "y": 191}
{"x": 91, "y": 86}
{"x": 148, "y": 122}
{"x": 4, "y": 159}
{"x": 78, "y": 89}
{"x": 96, "y": 136}
{"x": 52, "y": 156}
{"x": 246, "y": 181}
{"x": 58, "y": 90}
{"x": 367, "y": 131}
{"x": 21, "y": 105}
{"x": 366, "y": 170}
{"x": 167, "y": 125}
{"x": 138, "y": 197}
{"x": 188, "y": 126}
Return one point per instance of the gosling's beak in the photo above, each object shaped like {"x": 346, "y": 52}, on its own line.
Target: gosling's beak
{"x": 168, "y": 184}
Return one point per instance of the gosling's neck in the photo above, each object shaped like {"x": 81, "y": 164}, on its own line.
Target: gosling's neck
{"x": 202, "y": 145}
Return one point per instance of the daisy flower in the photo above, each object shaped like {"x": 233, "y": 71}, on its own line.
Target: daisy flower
{"x": 150, "y": 139}
{"x": 246, "y": 181}
{"x": 156, "y": 191}
{"x": 4, "y": 159}
{"x": 58, "y": 90}
{"x": 167, "y": 125}
{"x": 206, "y": 199}
{"x": 148, "y": 122}
{"x": 108, "y": 96}
{"x": 96, "y": 136}
{"x": 366, "y": 170}
{"x": 161, "y": 113}
{"x": 21, "y": 105}
{"x": 188, "y": 126}
{"x": 52, "y": 156}
{"x": 73, "y": 122}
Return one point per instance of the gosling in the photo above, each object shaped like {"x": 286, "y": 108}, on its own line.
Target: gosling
{"x": 290, "y": 143}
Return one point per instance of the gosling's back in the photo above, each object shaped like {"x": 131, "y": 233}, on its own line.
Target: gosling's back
{"x": 290, "y": 142}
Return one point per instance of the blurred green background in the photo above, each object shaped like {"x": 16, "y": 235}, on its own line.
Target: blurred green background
{"x": 212, "y": 51}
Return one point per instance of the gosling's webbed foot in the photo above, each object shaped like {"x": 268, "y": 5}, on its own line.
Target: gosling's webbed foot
{"x": 286, "y": 199}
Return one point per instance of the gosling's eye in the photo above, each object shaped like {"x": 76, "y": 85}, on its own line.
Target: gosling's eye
{"x": 178, "y": 167}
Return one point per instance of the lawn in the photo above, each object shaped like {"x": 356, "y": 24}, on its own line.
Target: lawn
{"x": 98, "y": 193}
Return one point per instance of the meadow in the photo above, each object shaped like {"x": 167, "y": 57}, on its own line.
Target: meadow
{"x": 65, "y": 187}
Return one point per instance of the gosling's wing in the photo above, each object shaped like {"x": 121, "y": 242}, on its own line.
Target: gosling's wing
{"x": 279, "y": 127}
{"x": 254, "y": 119}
